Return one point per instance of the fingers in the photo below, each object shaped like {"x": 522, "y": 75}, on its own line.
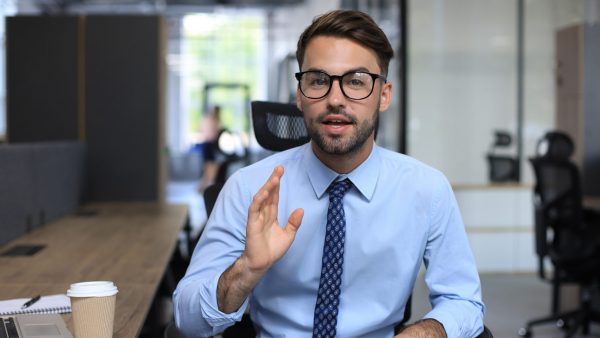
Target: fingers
{"x": 277, "y": 174}
{"x": 256, "y": 205}
{"x": 272, "y": 186}
{"x": 267, "y": 198}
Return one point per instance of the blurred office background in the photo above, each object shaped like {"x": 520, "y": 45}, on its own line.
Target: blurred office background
{"x": 466, "y": 74}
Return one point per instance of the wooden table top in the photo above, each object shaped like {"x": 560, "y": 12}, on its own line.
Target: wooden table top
{"x": 130, "y": 244}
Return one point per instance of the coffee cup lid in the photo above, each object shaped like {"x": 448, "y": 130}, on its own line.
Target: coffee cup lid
{"x": 92, "y": 289}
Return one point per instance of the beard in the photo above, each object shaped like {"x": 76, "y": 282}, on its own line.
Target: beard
{"x": 339, "y": 145}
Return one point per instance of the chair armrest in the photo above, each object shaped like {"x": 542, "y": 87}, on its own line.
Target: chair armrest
{"x": 486, "y": 333}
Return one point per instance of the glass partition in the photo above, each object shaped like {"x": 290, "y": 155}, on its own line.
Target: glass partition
{"x": 462, "y": 78}
{"x": 463, "y": 75}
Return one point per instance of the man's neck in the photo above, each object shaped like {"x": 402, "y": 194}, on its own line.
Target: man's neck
{"x": 344, "y": 163}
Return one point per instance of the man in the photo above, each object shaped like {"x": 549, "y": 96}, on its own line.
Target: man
{"x": 340, "y": 261}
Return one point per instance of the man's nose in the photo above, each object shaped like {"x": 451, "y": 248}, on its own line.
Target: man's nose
{"x": 336, "y": 96}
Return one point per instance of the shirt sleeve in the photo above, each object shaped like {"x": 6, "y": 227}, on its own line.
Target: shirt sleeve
{"x": 222, "y": 242}
{"x": 451, "y": 276}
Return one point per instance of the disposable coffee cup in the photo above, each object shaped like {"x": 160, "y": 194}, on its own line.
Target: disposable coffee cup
{"x": 93, "y": 305}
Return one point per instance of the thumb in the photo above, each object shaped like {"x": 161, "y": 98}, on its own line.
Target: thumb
{"x": 294, "y": 221}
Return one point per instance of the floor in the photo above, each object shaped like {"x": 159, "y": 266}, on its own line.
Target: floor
{"x": 511, "y": 299}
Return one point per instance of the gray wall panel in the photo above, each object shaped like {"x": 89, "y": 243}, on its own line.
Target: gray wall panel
{"x": 16, "y": 192}
{"x": 57, "y": 175}
{"x": 39, "y": 182}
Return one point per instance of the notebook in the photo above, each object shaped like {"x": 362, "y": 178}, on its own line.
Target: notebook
{"x": 34, "y": 326}
{"x": 47, "y": 304}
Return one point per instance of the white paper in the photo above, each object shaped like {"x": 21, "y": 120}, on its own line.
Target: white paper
{"x": 47, "y": 304}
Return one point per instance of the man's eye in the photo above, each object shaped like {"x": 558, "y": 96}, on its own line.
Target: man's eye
{"x": 319, "y": 82}
{"x": 354, "y": 82}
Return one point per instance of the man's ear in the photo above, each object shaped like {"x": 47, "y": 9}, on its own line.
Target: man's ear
{"x": 385, "y": 98}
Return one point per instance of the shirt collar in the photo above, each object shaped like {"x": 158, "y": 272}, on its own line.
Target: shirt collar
{"x": 364, "y": 177}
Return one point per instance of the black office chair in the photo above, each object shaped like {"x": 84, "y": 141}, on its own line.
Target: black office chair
{"x": 564, "y": 232}
{"x": 210, "y": 195}
{"x": 502, "y": 168}
{"x": 278, "y": 126}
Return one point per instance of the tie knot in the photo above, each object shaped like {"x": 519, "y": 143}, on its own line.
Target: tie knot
{"x": 339, "y": 188}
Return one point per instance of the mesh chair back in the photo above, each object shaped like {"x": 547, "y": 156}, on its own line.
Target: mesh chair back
{"x": 278, "y": 126}
{"x": 558, "y": 204}
{"x": 556, "y": 145}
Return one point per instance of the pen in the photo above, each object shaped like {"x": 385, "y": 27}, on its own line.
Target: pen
{"x": 31, "y": 302}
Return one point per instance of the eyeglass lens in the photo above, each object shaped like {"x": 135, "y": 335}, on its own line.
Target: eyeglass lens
{"x": 355, "y": 85}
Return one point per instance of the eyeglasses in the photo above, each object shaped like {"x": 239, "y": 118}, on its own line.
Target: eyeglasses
{"x": 315, "y": 84}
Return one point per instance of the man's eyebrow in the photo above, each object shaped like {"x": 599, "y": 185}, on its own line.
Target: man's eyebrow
{"x": 359, "y": 69}
{"x": 353, "y": 70}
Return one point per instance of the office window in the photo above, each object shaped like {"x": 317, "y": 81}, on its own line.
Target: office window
{"x": 220, "y": 55}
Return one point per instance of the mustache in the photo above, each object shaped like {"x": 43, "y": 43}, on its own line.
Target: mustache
{"x": 321, "y": 117}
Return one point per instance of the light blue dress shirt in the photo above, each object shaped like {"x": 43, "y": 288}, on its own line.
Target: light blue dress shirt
{"x": 399, "y": 214}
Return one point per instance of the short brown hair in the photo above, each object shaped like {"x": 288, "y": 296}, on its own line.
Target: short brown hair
{"x": 353, "y": 25}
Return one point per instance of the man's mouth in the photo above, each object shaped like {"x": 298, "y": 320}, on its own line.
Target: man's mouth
{"x": 337, "y": 119}
{"x": 336, "y": 122}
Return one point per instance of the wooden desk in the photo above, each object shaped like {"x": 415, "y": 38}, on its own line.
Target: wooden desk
{"x": 128, "y": 243}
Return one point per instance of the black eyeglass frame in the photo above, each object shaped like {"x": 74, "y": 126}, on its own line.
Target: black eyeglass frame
{"x": 332, "y": 78}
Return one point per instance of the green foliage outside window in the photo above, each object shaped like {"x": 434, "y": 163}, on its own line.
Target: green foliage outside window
{"x": 221, "y": 49}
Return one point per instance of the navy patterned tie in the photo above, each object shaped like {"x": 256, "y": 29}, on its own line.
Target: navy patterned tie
{"x": 328, "y": 297}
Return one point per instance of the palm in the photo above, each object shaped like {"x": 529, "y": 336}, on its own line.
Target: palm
{"x": 266, "y": 240}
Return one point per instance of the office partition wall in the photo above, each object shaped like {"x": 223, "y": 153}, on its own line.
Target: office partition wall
{"x": 39, "y": 183}
{"x": 97, "y": 79}
{"x": 16, "y": 192}
{"x": 42, "y": 57}
{"x": 124, "y": 107}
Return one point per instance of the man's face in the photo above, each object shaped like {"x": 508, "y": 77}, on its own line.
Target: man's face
{"x": 339, "y": 125}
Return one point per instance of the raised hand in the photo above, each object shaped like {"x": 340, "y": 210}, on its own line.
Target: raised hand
{"x": 266, "y": 240}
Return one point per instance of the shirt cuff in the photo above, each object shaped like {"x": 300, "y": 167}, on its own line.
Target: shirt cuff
{"x": 456, "y": 321}
{"x": 211, "y": 312}
{"x": 447, "y": 321}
